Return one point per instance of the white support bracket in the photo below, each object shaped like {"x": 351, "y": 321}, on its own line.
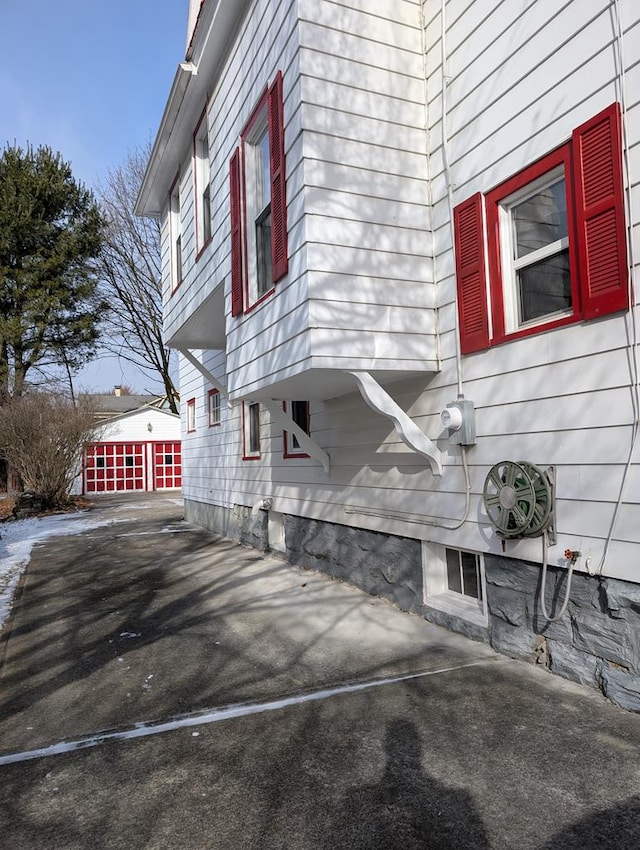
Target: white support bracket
{"x": 379, "y": 400}
{"x": 215, "y": 382}
{"x": 284, "y": 421}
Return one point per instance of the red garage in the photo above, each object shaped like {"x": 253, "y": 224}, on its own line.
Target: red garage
{"x": 137, "y": 451}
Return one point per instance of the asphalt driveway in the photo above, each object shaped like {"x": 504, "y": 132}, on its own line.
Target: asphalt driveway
{"x": 162, "y": 687}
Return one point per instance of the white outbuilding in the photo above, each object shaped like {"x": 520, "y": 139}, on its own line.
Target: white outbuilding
{"x": 137, "y": 450}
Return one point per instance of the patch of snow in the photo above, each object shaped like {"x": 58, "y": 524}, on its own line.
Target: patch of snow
{"x": 18, "y": 538}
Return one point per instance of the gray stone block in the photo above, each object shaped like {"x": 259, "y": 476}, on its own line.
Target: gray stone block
{"x": 511, "y": 573}
{"x": 555, "y": 589}
{"x": 598, "y": 634}
{"x": 507, "y": 604}
{"x": 538, "y": 623}
{"x": 572, "y": 664}
{"x": 586, "y": 591}
{"x": 512, "y": 640}
{"x": 622, "y": 599}
{"x": 620, "y": 686}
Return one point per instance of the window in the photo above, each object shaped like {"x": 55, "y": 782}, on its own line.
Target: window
{"x": 258, "y": 191}
{"x": 463, "y": 573}
{"x": 214, "y": 407}
{"x": 299, "y": 412}
{"x": 202, "y": 183}
{"x": 534, "y": 243}
{"x": 454, "y": 582}
{"x": 258, "y": 204}
{"x": 175, "y": 235}
{"x": 555, "y": 238}
{"x": 251, "y": 430}
{"x": 191, "y": 415}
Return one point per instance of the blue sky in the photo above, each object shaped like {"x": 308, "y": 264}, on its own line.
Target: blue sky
{"x": 89, "y": 78}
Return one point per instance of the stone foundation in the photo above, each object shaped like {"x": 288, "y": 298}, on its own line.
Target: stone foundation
{"x": 381, "y": 564}
{"x": 596, "y": 643}
{"x": 239, "y": 523}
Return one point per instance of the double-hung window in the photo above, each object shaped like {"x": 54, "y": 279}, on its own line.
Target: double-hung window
{"x": 258, "y": 204}
{"x": 175, "y": 235}
{"x": 534, "y": 244}
{"x": 202, "y": 183}
{"x": 214, "y": 408}
{"x": 555, "y": 241}
{"x": 258, "y": 193}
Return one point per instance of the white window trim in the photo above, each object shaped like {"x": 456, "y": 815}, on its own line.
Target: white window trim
{"x": 253, "y": 211}
{"x": 510, "y": 265}
{"x": 247, "y": 452}
{"x": 436, "y": 593}
{"x": 191, "y": 415}
{"x": 202, "y": 178}
{"x": 214, "y": 411}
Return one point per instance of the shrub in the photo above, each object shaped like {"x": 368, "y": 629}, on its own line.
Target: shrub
{"x": 43, "y": 436}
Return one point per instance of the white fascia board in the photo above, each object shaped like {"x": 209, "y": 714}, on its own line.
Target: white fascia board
{"x": 195, "y": 79}
{"x": 153, "y": 189}
{"x": 145, "y": 411}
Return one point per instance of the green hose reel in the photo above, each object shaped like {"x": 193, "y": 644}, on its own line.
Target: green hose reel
{"x": 519, "y": 499}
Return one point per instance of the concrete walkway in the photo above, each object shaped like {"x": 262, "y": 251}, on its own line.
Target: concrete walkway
{"x": 164, "y": 688}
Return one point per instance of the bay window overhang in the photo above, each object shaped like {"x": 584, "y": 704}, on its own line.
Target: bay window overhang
{"x": 203, "y": 327}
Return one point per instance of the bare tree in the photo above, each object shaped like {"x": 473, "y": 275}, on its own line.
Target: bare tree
{"x": 43, "y": 437}
{"x": 130, "y": 268}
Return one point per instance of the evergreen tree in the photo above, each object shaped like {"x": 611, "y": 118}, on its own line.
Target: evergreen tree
{"x": 50, "y": 232}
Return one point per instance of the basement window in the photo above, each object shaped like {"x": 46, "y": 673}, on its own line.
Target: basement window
{"x": 454, "y": 582}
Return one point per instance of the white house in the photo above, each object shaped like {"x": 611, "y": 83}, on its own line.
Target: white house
{"x": 399, "y": 241}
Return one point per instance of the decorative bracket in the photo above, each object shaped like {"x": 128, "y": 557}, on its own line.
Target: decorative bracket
{"x": 379, "y": 400}
{"x": 215, "y": 382}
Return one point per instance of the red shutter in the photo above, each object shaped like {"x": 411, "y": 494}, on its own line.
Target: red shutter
{"x": 279, "y": 251}
{"x": 470, "y": 275}
{"x": 600, "y": 224}
{"x": 236, "y": 234}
